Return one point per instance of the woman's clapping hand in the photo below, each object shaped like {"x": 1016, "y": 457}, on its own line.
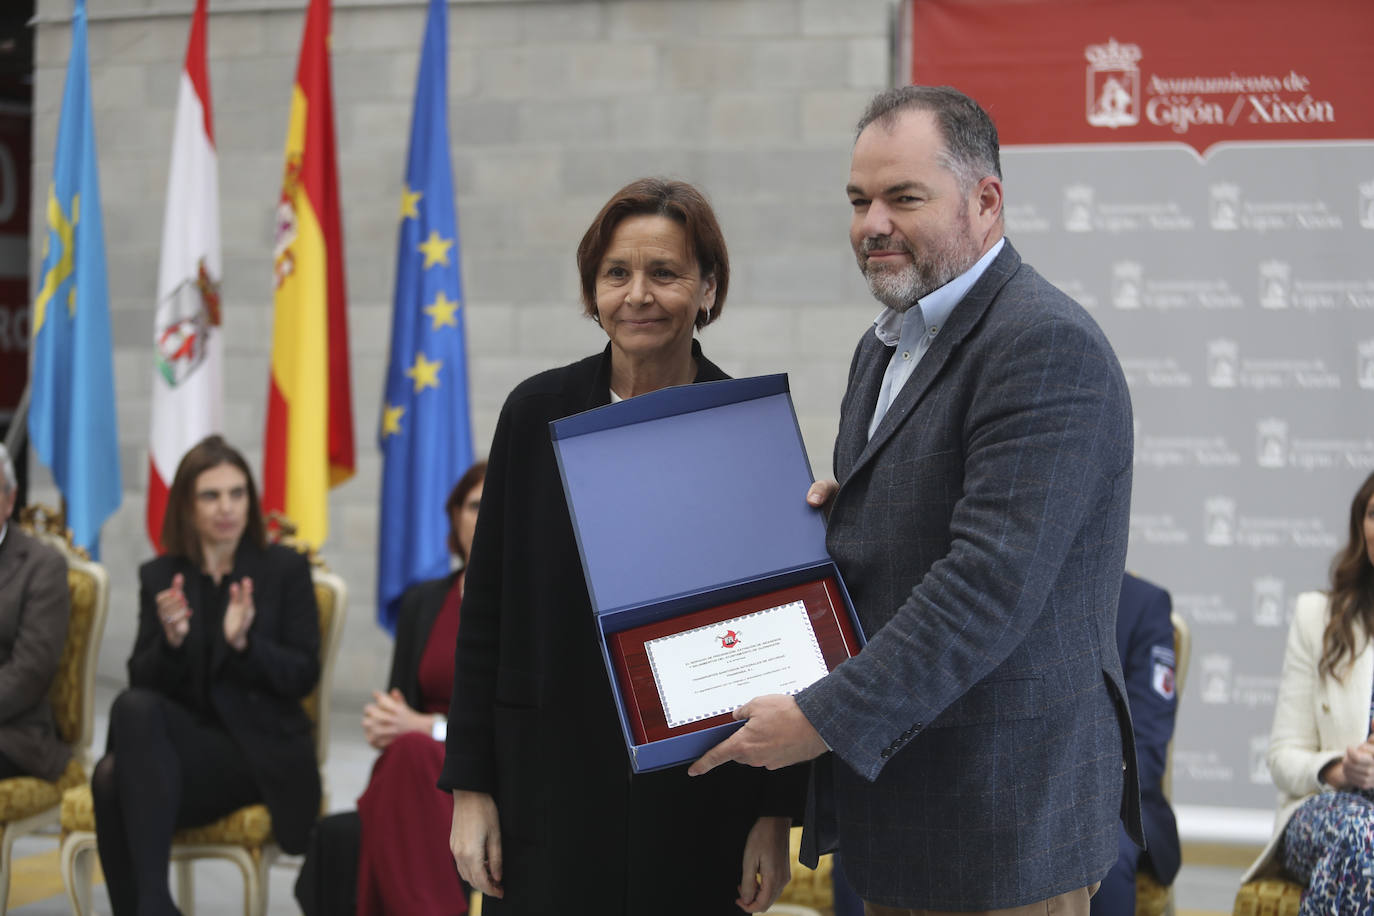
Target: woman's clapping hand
{"x": 238, "y": 616}
{"x": 174, "y": 612}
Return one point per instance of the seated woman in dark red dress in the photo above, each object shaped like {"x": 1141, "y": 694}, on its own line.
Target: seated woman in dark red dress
{"x": 395, "y": 843}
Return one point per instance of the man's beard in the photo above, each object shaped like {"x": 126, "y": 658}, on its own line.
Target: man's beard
{"x": 900, "y": 288}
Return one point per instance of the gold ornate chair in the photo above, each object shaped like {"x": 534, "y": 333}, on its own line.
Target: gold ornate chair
{"x": 1151, "y": 897}
{"x": 27, "y": 804}
{"x": 243, "y": 837}
{"x": 1271, "y": 896}
{"x": 809, "y": 891}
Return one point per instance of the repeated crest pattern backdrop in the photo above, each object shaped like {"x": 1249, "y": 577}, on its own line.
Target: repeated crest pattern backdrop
{"x": 1200, "y": 178}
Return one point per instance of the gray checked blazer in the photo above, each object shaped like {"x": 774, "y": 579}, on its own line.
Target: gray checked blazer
{"x": 34, "y": 607}
{"x": 982, "y": 739}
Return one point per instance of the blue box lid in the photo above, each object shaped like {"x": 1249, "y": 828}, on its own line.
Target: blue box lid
{"x": 688, "y": 489}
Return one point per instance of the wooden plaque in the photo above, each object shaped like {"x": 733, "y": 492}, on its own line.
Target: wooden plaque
{"x": 639, "y": 691}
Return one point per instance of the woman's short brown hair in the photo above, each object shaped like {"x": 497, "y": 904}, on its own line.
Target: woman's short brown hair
{"x": 179, "y": 536}
{"x": 470, "y": 480}
{"x": 679, "y": 202}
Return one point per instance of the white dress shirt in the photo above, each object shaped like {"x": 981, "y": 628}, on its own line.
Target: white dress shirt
{"x": 913, "y": 331}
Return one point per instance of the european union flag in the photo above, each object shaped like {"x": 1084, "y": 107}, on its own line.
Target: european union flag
{"x": 425, "y": 436}
{"x": 72, "y": 411}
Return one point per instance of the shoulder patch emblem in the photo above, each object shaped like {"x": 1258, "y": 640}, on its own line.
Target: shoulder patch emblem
{"x": 1162, "y": 671}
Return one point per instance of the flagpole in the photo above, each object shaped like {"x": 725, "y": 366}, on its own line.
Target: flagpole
{"x": 19, "y": 426}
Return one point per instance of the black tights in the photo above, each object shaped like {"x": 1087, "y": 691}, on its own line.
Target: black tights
{"x": 164, "y": 770}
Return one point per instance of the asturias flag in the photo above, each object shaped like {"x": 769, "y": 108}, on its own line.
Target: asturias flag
{"x": 309, "y": 441}
{"x": 72, "y": 412}
{"x": 188, "y": 390}
{"x": 425, "y": 435}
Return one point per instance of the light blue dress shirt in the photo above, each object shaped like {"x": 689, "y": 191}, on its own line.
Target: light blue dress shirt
{"x": 913, "y": 331}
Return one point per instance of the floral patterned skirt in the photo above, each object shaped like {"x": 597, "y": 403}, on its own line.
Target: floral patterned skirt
{"x": 1329, "y": 846}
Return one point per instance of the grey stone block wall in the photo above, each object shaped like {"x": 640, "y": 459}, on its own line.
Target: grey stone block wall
{"x": 553, "y": 106}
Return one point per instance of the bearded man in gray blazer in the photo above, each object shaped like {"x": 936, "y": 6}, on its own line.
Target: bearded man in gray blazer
{"x": 982, "y": 740}
{"x": 34, "y": 606}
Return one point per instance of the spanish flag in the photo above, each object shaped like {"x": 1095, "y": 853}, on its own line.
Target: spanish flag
{"x": 309, "y": 441}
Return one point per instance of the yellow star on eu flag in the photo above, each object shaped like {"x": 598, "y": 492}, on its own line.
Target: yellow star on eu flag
{"x": 409, "y": 203}
{"x": 435, "y": 249}
{"x": 443, "y": 310}
{"x": 391, "y": 420}
{"x": 424, "y": 373}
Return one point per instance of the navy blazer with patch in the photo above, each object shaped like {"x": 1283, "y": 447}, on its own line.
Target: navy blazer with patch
{"x": 1145, "y": 640}
{"x": 982, "y": 740}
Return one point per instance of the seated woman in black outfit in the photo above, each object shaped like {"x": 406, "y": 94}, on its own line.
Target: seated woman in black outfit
{"x": 227, "y": 646}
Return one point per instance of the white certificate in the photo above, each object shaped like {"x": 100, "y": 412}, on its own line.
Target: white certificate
{"x": 715, "y": 669}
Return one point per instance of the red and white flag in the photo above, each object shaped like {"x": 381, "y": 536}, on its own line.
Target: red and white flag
{"x": 187, "y": 378}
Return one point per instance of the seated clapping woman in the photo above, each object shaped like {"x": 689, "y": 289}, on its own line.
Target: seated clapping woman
{"x": 227, "y": 646}
{"x": 1321, "y": 752}
{"x": 403, "y": 864}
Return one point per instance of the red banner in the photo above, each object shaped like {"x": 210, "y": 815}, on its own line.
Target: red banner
{"x": 14, "y": 258}
{"x": 1184, "y": 71}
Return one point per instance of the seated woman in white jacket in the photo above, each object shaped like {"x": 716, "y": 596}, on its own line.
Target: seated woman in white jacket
{"x": 1321, "y": 752}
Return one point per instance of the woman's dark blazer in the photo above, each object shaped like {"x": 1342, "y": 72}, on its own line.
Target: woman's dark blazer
{"x": 420, "y": 606}
{"x": 533, "y": 722}
{"x": 256, "y": 693}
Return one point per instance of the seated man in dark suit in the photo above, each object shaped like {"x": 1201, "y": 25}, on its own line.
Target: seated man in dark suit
{"x": 1145, "y": 640}
{"x": 34, "y": 606}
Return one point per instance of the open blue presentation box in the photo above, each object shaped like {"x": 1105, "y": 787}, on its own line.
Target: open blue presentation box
{"x": 689, "y": 507}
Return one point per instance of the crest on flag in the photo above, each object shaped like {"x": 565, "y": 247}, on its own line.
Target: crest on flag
{"x": 282, "y": 254}
{"x": 187, "y": 316}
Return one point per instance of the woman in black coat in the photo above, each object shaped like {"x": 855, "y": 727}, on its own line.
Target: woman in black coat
{"x": 227, "y": 647}
{"x": 548, "y": 816}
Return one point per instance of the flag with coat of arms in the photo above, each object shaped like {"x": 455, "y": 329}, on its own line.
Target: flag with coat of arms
{"x": 308, "y": 445}
{"x": 188, "y": 388}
